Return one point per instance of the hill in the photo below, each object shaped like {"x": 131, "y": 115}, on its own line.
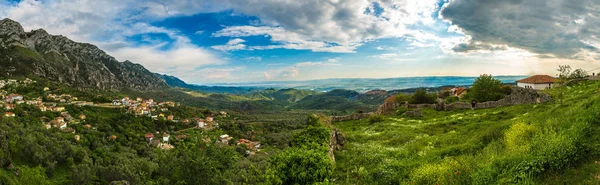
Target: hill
{"x": 57, "y": 58}
{"x": 176, "y": 82}
{"x": 544, "y": 143}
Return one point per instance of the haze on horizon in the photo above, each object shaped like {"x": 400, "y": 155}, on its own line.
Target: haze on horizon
{"x": 217, "y": 41}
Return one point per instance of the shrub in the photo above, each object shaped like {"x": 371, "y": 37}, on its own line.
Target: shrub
{"x": 421, "y": 96}
{"x": 451, "y": 99}
{"x": 300, "y": 166}
{"x": 375, "y": 119}
{"x": 486, "y": 88}
{"x": 401, "y": 98}
{"x": 311, "y": 137}
{"x": 518, "y": 138}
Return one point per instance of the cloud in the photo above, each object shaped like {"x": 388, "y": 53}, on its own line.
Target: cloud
{"x": 231, "y": 45}
{"x": 556, "y": 28}
{"x": 327, "y": 62}
{"x": 328, "y": 26}
{"x": 199, "y": 32}
{"x": 267, "y": 76}
{"x": 253, "y": 59}
{"x": 282, "y": 39}
{"x": 220, "y": 74}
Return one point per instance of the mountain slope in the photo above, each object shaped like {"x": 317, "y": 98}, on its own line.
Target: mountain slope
{"x": 60, "y": 59}
{"x": 176, "y": 82}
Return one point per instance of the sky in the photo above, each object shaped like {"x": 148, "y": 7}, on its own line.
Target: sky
{"x": 220, "y": 41}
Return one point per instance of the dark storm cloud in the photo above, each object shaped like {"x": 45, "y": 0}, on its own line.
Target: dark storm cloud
{"x": 562, "y": 28}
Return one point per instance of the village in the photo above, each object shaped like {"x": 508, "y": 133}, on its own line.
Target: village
{"x": 135, "y": 106}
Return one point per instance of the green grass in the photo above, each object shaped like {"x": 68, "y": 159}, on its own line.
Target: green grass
{"x": 526, "y": 144}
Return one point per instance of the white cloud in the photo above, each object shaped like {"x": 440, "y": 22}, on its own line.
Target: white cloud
{"x": 199, "y": 32}
{"x": 220, "y": 74}
{"x": 267, "y": 76}
{"x": 231, "y": 45}
{"x": 253, "y": 58}
{"x": 328, "y": 26}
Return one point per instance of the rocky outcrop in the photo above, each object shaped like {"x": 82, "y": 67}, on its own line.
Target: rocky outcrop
{"x": 336, "y": 142}
{"x": 414, "y": 113}
{"x": 62, "y": 60}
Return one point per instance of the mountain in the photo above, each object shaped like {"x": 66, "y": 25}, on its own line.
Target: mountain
{"x": 57, "y": 58}
{"x": 176, "y": 82}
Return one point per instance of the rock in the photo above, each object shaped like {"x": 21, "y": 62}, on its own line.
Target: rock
{"x": 62, "y": 60}
{"x": 414, "y": 113}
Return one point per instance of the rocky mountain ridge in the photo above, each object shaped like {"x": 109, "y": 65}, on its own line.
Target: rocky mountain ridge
{"x": 57, "y": 58}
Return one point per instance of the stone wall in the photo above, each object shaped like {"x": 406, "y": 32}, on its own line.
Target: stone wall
{"x": 336, "y": 142}
{"x": 518, "y": 96}
{"x": 351, "y": 117}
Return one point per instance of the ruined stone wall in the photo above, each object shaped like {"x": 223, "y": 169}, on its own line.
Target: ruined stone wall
{"x": 351, "y": 117}
{"x": 518, "y": 96}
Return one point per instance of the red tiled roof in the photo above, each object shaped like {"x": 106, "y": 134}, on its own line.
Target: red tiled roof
{"x": 537, "y": 79}
{"x": 460, "y": 90}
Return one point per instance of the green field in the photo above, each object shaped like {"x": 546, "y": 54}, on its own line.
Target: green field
{"x": 526, "y": 144}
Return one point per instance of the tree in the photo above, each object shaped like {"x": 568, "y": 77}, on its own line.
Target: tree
{"x": 421, "y": 96}
{"x": 486, "y": 88}
{"x": 578, "y": 73}
{"x": 300, "y": 166}
{"x": 564, "y": 72}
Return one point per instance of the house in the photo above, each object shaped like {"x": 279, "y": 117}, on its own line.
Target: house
{"x": 459, "y": 92}
{"x": 58, "y": 124}
{"x": 209, "y": 119}
{"x": 88, "y": 126}
{"x": 537, "y": 82}
{"x": 224, "y": 139}
{"x": 9, "y": 114}
{"x": 180, "y": 137}
{"x": 77, "y": 137}
{"x": 170, "y": 117}
{"x": 43, "y": 108}
{"x": 200, "y": 123}
{"x": 149, "y": 136}
{"x": 116, "y": 103}
{"x": 58, "y": 109}
{"x": 166, "y": 137}
{"x": 113, "y": 137}
{"x": 9, "y": 106}
{"x": 46, "y": 88}
{"x": 223, "y": 113}
{"x": 82, "y": 116}
{"x": 48, "y": 126}
{"x": 60, "y": 119}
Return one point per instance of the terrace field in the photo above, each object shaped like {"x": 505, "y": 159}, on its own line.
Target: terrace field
{"x": 526, "y": 144}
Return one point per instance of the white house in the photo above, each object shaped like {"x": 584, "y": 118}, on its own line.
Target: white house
{"x": 537, "y": 82}
{"x": 166, "y": 137}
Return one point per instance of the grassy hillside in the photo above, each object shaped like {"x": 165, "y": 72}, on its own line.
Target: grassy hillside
{"x": 527, "y": 144}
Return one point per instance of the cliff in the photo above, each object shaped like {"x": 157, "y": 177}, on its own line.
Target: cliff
{"x": 59, "y": 59}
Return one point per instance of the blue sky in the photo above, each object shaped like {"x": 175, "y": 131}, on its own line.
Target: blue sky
{"x": 213, "y": 41}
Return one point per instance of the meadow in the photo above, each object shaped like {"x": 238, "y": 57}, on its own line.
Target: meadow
{"x": 548, "y": 143}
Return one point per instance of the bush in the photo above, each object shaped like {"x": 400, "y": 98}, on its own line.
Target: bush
{"x": 375, "y": 119}
{"x": 421, "y": 96}
{"x": 486, "y": 88}
{"x": 402, "y": 98}
{"x": 451, "y": 99}
{"x": 311, "y": 136}
{"x": 300, "y": 166}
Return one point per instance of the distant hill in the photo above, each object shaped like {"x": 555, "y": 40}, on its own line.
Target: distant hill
{"x": 176, "y": 82}
{"x": 57, "y": 58}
